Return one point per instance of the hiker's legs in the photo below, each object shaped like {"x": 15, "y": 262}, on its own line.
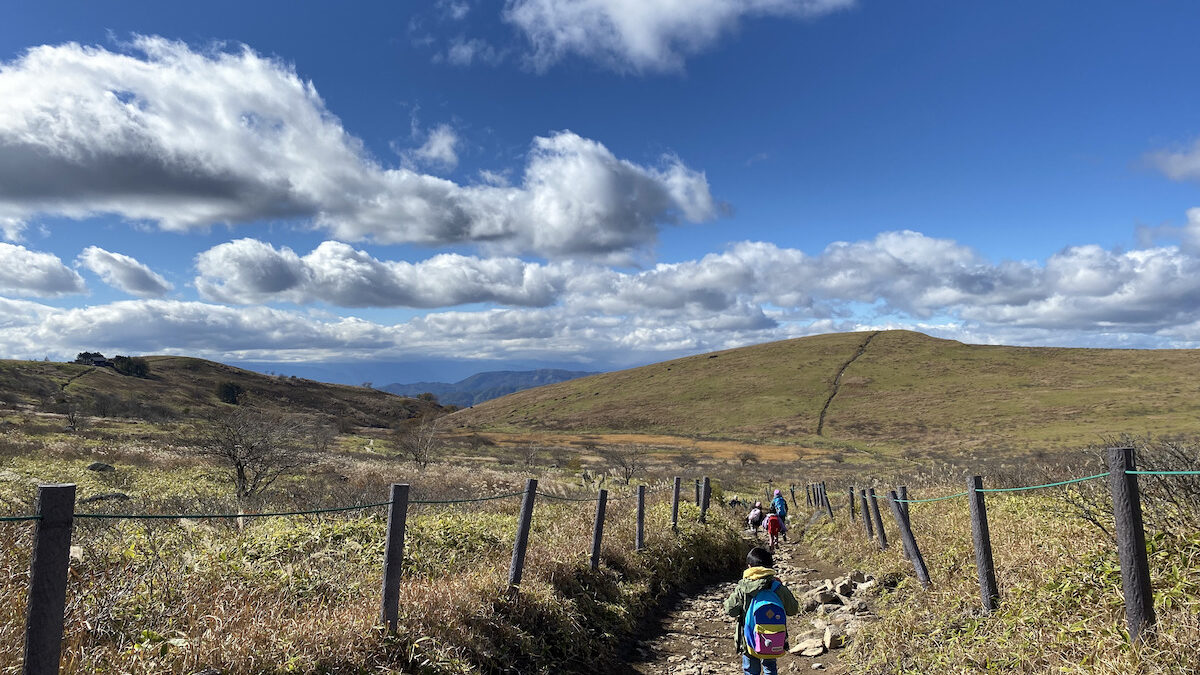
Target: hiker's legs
{"x": 751, "y": 665}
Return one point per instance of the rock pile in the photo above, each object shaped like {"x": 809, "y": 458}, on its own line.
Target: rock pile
{"x": 839, "y": 615}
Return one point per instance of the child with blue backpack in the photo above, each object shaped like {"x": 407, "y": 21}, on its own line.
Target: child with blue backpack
{"x": 762, "y": 603}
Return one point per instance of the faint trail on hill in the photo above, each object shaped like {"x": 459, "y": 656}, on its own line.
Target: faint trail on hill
{"x": 64, "y": 385}
{"x": 837, "y": 380}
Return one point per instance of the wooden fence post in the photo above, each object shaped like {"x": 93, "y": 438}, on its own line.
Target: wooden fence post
{"x": 852, "y": 514}
{"x": 393, "y": 554}
{"x": 47, "y": 602}
{"x": 675, "y": 505}
{"x": 598, "y": 529}
{"x": 526, "y": 518}
{"x": 902, "y": 493}
{"x": 825, "y": 498}
{"x": 705, "y": 496}
{"x": 697, "y": 493}
{"x": 639, "y": 541}
{"x": 1131, "y": 544}
{"x": 866, "y": 514}
{"x": 910, "y": 542}
{"x": 877, "y": 518}
{"x": 989, "y": 592}
{"x": 793, "y": 491}
{"x": 808, "y": 494}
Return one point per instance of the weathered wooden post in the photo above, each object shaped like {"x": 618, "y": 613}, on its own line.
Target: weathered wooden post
{"x": 825, "y": 498}
{"x": 47, "y": 602}
{"x": 910, "y": 542}
{"x": 393, "y": 554}
{"x": 1131, "y": 544}
{"x": 866, "y": 514}
{"x": 598, "y": 529}
{"x": 877, "y": 518}
{"x": 989, "y": 592}
{"x": 808, "y": 494}
{"x": 795, "y": 504}
{"x": 640, "y": 538}
{"x": 706, "y": 495}
{"x": 902, "y": 493}
{"x": 852, "y": 514}
{"x": 675, "y": 505}
{"x": 522, "y": 541}
{"x": 697, "y": 492}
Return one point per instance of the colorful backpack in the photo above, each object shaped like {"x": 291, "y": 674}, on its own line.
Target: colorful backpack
{"x": 765, "y": 630}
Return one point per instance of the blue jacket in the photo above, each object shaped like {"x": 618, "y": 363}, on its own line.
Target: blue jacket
{"x": 780, "y": 505}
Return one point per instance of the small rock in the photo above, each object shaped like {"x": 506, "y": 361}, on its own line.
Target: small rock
{"x": 101, "y": 466}
{"x": 857, "y": 577}
{"x": 76, "y": 554}
{"x": 818, "y": 666}
{"x": 119, "y": 496}
{"x": 835, "y": 637}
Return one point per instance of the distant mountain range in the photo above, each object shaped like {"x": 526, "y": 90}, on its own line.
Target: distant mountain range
{"x": 485, "y": 386}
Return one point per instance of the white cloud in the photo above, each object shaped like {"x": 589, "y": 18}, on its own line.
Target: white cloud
{"x": 638, "y": 36}
{"x": 464, "y": 52}
{"x": 124, "y": 273}
{"x": 440, "y": 149}
{"x": 25, "y": 272}
{"x": 1183, "y": 164}
{"x": 248, "y": 271}
{"x": 185, "y": 139}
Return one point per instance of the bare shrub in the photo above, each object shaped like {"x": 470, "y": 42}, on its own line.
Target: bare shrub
{"x": 625, "y": 461}
{"x": 417, "y": 439}
{"x": 257, "y": 447}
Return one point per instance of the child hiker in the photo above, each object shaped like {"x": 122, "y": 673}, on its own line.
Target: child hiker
{"x": 780, "y": 505}
{"x": 761, "y": 603}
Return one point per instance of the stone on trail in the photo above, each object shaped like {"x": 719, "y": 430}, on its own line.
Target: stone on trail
{"x": 835, "y": 637}
{"x": 101, "y": 466}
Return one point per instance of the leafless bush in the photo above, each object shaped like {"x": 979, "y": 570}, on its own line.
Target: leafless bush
{"x": 417, "y": 439}
{"x": 625, "y": 461}
{"x": 257, "y": 447}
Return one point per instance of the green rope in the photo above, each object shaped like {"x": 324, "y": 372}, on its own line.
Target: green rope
{"x": 1164, "y": 473}
{"x": 197, "y": 516}
{"x": 17, "y": 519}
{"x": 1038, "y": 487}
{"x": 464, "y": 501}
{"x": 933, "y": 499}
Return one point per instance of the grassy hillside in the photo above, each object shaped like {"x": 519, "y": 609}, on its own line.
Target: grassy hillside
{"x": 904, "y": 391}
{"x": 184, "y": 387}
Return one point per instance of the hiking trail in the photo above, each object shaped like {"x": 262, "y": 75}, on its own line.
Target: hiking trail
{"x": 837, "y": 380}
{"x": 695, "y": 636}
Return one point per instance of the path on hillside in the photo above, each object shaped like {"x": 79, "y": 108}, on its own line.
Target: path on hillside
{"x": 695, "y": 636}
{"x": 837, "y": 380}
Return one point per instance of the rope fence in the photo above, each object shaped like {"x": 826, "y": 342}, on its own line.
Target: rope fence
{"x": 49, "y": 566}
{"x": 1127, "y": 514}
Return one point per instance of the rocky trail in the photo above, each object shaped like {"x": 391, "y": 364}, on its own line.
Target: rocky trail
{"x": 695, "y": 636}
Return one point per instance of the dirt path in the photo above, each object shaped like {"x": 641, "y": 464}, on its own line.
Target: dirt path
{"x": 696, "y": 636}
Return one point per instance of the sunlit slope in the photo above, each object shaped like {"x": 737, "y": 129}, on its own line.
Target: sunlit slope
{"x": 905, "y": 391}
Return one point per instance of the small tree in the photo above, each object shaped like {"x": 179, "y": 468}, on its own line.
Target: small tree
{"x": 417, "y": 439}
{"x": 747, "y": 456}
{"x": 256, "y": 447}
{"x": 134, "y": 366}
{"x": 230, "y": 392}
{"x": 626, "y": 461}
{"x": 530, "y": 454}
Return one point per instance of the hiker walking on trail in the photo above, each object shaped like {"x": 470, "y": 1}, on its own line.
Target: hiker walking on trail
{"x": 780, "y": 505}
{"x": 761, "y": 602}
{"x": 756, "y": 517}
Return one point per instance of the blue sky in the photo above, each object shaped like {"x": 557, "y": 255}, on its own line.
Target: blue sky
{"x": 424, "y": 190}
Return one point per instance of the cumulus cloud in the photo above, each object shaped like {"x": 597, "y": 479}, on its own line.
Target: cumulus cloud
{"x": 124, "y": 273}
{"x": 34, "y": 273}
{"x": 641, "y": 36}
{"x": 440, "y": 149}
{"x": 184, "y": 139}
{"x": 249, "y": 271}
{"x": 465, "y": 51}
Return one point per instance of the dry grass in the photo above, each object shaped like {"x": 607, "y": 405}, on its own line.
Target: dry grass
{"x": 1061, "y": 603}
{"x": 301, "y": 594}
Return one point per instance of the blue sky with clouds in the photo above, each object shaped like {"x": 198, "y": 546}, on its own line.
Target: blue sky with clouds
{"x": 414, "y": 190}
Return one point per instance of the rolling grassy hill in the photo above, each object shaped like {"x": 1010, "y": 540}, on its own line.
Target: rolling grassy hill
{"x": 890, "y": 391}
{"x": 185, "y": 387}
